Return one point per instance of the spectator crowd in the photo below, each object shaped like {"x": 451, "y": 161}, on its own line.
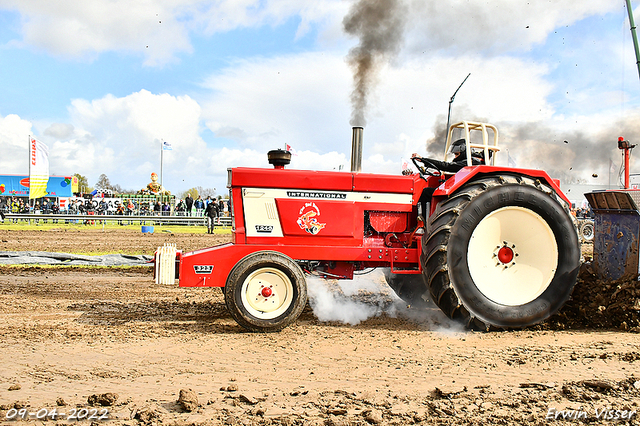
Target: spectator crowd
{"x": 117, "y": 206}
{"x": 582, "y": 213}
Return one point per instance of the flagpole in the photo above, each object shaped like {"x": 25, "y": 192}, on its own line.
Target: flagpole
{"x": 29, "y": 162}
{"x": 161, "y": 158}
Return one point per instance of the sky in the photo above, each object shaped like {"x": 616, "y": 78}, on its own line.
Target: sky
{"x": 104, "y": 82}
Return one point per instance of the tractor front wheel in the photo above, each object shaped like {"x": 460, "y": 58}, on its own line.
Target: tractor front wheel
{"x": 503, "y": 251}
{"x": 265, "y": 291}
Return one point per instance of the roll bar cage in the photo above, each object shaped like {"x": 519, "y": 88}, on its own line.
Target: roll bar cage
{"x": 489, "y": 149}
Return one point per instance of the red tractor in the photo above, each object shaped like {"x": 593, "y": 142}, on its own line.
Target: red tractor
{"x": 491, "y": 246}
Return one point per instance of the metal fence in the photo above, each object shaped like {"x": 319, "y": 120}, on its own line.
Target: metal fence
{"x": 91, "y": 219}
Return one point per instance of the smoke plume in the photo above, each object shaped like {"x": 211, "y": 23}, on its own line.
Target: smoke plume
{"x": 435, "y": 145}
{"x": 573, "y": 157}
{"x": 569, "y": 156}
{"x": 350, "y": 302}
{"x": 368, "y": 296}
{"x": 379, "y": 25}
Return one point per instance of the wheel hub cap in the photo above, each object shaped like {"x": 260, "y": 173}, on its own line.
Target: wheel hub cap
{"x": 505, "y": 255}
{"x": 266, "y": 292}
{"x": 512, "y": 256}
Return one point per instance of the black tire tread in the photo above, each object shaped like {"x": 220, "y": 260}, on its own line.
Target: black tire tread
{"x": 435, "y": 243}
{"x": 255, "y": 261}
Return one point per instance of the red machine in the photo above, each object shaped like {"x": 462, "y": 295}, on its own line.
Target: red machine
{"x": 490, "y": 246}
{"x": 626, "y": 148}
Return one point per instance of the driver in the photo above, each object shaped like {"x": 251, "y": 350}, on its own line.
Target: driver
{"x": 459, "y": 150}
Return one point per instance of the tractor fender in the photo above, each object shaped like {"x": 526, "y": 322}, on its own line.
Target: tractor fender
{"x": 455, "y": 182}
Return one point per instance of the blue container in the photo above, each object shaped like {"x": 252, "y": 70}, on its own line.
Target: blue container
{"x": 146, "y": 229}
{"x": 617, "y": 234}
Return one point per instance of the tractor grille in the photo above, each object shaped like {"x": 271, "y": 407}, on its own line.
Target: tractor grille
{"x": 271, "y": 211}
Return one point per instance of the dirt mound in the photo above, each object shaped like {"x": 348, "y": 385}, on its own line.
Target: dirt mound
{"x": 597, "y": 303}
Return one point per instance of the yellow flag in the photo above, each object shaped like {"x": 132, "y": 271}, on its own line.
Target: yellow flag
{"x": 38, "y": 169}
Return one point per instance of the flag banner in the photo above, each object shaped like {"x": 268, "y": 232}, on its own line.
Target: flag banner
{"x": 166, "y": 146}
{"x": 288, "y": 147}
{"x": 38, "y": 169}
{"x": 511, "y": 161}
{"x": 18, "y": 185}
{"x": 406, "y": 167}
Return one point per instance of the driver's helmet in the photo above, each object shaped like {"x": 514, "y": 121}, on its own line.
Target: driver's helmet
{"x": 459, "y": 146}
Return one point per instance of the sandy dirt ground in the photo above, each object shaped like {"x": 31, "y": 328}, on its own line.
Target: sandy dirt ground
{"x": 95, "y": 342}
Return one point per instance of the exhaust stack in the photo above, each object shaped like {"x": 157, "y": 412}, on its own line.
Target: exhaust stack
{"x": 356, "y": 149}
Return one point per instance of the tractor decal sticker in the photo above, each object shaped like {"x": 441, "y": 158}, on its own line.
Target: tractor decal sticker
{"x": 308, "y": 221}
{"x": 315, "y": 194}
{"x": 202, "y": 269}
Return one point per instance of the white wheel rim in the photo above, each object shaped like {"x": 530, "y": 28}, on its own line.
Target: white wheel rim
{"x": 265, "y": 304}
{"x": 534, "y": 251}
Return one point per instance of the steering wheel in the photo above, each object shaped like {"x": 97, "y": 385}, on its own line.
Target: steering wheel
{"x": 425, "y": 171}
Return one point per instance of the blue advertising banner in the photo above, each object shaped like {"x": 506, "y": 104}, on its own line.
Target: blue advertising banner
{"x": 18, "y": 186}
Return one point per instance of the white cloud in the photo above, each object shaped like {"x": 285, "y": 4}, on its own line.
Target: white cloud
{"x": 264, "y": 103}
{"x": 329, "y": 161}
{"x": 159, "y": 30}
{"x": 84, "y": 29}
{"x": 302, "y": 100}
{"x": 121, "y": 136}
{"x": 225, "y": 15}
{"x": 14, "y": 134}
{"x": 494, "y": 27}
{"x": 59, "y": 130}
{"x": 156, "y": 29}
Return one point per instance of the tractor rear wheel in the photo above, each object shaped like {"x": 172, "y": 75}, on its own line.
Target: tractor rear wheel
{"x": 408, "y": 287}
{"x": 503, "y": 251}
{"x": 265, "y": 291}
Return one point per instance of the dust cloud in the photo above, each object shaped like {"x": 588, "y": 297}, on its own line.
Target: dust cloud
{"x": 350, "y": 301}
{"x": 573, "y": 157}
{"x": 368, "y": 296}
